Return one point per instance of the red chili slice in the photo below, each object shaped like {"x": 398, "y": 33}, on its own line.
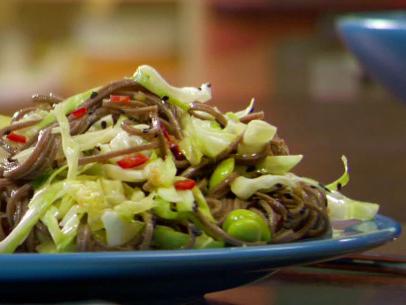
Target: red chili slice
{"x": 177, "y": 152}
{"x": 78, "y": 113}
{"x": 120, "y": 98}
{"x": 17, "y": 138}
{"x": 174, "y": 147}
{"x": 132, "y": 161}
{"x": 166, "y": 133}
{"x": 184, "y": 185}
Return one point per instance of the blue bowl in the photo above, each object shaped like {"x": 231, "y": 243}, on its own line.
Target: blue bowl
{"x": 378, "y": 40}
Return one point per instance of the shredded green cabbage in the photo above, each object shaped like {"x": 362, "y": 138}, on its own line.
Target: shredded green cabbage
{"x": 89, "y": 195}
{"x": 203, "y": 139}
{"x": 244, "y": 187}
{"x": 70, "y": 148}
{"x": 181, "y": 97}
{"x": 37, "y": 207}
{"x": 184, "y": 199}
{"x": 161, "y": 173}
{"x": 91, "y": 139}
{"x": 278, "y": 165}
{"x": 247, "y": 110}
{"x": 343, "y": 180}
{"x": 341, "y": 207}
{"x": 118, "y": 230}
{"x": 62, "y": 238}
{"x": 129, "y": 208}
{"x": 128, "y": 175}
{"x": 257, "y": 134}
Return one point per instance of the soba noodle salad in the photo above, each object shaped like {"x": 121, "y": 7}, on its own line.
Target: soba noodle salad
{"x": 139, "y": 164}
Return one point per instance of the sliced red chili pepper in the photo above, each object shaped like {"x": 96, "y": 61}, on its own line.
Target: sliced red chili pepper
{"x": 78, "y": 113}
{"x": 17, "y": 138}
{"x": 177, "y": 152}
{"x": 174, "y": 147}
{"x": 120, "y": 98}
{"x": 166, "y": 133}
{"x": 132, "y": 161}
{"x": 184, "y": 185}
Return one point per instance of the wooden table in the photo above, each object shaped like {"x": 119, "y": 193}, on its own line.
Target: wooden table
{"x": 310, "y": 285}
{"x": 376, "y": 278}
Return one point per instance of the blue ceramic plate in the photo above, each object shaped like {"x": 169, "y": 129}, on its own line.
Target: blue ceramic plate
{"x": 177, "y": 272}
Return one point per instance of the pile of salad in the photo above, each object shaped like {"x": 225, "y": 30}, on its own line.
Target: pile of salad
{"x": 139, "y": 164}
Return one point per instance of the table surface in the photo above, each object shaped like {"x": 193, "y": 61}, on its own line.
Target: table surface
{"x": 305, "y": 285}
{"x": 335, "y": 283}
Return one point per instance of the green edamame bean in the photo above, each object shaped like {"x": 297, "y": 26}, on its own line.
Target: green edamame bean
{"x": 247, "y": 226}
{"x": 168, "y": 238}
{"x": 222, "y": 171}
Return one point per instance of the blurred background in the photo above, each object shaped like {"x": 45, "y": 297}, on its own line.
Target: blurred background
{"x": 286, "y": 54}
